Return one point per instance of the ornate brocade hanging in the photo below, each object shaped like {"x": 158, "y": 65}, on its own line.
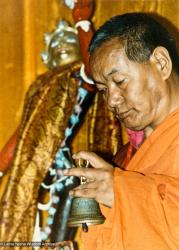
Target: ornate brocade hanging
{"x": 49, "y": 103}
{"x": 105, "y": 135}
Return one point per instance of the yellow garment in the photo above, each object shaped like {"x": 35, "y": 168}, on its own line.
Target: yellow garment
{"x": 48, "y": 105}
{"x": 145, "y": 215}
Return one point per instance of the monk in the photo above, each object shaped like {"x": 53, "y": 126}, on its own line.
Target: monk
{"x": 134, "y": 62}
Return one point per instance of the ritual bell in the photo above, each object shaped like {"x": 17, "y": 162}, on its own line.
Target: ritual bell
{"x": 84, "y": 211}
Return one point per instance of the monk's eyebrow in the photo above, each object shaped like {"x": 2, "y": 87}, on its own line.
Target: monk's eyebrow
{"x": 113, "y": 71}
{"x": 99, "y": 83}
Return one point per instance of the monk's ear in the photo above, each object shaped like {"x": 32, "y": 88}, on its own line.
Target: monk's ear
{"x": 161, "y": 58}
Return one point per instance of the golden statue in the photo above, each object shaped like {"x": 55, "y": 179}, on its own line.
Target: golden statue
{"x": 62, "y": 46}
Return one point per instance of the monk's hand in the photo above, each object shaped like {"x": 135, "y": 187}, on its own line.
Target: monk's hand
{"x": 99, "y": 179}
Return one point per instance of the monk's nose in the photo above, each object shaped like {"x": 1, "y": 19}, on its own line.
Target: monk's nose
{"x": 114, "y": 99}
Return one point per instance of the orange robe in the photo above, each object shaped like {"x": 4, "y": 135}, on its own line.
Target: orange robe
{"x": 145, "y": 214}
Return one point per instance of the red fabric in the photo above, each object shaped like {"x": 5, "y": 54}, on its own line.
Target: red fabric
{"x": 7, "y": 153}
{"x": 136, "y": 138}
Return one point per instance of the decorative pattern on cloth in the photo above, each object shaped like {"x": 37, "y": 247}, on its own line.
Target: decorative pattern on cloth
{"x": 104, "y": 130}
{"x": 48, "y": 102}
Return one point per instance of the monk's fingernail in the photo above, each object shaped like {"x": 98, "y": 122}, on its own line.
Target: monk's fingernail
{"x": 74, "y": 156}
{"x": 65, "y": 171}
{"x": 71, "y": 193}
{"x": 60, "y": 172}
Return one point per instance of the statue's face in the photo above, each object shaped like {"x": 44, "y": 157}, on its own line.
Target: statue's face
{"x": 63, "y": 49}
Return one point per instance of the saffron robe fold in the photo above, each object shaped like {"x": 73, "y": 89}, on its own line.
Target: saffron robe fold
{"x": 145, "y": 214}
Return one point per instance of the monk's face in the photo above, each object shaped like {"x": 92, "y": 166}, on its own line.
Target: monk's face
{"x": 133, "y": 91}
